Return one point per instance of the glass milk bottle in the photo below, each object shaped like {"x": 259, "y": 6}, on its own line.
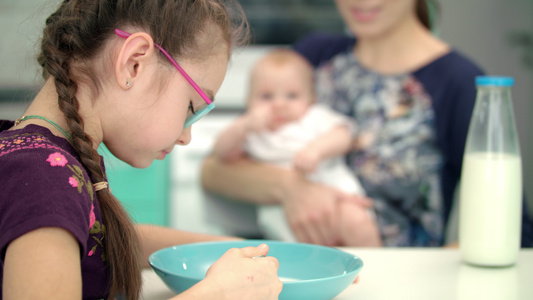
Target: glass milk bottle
{"x": 490, "y": 205}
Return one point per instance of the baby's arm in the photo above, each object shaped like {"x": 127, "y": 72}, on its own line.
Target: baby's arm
{"x": 334, "y": 142}
{"x": 229, "y": 143}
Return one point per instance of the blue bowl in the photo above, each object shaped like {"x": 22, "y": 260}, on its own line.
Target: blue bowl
{"x": 307, "y": 271}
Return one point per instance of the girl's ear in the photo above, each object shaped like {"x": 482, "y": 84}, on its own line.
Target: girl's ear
{"x": 133, "y": 57}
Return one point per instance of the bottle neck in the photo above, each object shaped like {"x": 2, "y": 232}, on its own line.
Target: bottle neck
{"x": 492, "y": 127}
{"x": 501, "y": 94}
{"x": 494, "y": 88}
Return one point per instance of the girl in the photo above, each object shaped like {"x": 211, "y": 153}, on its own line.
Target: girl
{"x": 112, "y": 77}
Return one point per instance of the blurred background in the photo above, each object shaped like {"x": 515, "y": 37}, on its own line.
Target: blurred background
{"x": 497, "y": 34}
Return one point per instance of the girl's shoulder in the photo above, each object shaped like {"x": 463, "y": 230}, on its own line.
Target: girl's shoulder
{"x": 35, "y": 160}
{"x": 31, "y": 143}
{"x": 43, "y": 185}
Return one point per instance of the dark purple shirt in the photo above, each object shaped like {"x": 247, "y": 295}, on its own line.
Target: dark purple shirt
{"x": 43, "y": 184}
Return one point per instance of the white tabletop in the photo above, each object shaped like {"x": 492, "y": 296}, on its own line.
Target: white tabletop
{"x": 416, "y": 273}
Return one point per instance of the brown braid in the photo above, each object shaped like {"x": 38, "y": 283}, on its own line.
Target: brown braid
{"x": 73, "y": 38}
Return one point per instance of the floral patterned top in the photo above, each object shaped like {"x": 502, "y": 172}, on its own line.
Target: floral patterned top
{"x": 412, "y": 131}
{"x": 396, "y": 155}
{"x": 45, "y": 185}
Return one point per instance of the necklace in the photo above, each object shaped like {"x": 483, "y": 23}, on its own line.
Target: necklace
{"x": 61, "y": 129}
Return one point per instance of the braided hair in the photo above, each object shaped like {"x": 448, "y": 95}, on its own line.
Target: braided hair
{"x": 74, "y": 36}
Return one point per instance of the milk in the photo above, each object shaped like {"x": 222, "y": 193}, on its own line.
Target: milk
{"x": 490, "y": 208}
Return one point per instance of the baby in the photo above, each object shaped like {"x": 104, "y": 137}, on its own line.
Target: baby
{"x": 284, "y": 126}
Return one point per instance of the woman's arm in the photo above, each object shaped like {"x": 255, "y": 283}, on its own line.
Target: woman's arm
{"x": 310, "y": 207}
{"x": 246, "y": 181}
{"x": 43, "y": 264}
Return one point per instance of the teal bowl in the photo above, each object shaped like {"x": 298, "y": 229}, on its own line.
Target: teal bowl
{"x": 307, "y": 271}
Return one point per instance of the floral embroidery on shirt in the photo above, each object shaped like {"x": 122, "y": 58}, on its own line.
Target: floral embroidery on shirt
{"x": 92, "y": 217}
{"x": 57, "y": 159}
{"x": 92, "y": 222}
{"x": 78, "y": 176}
{"x": 95, "y": 227}
{"x": 25, "y": 141}
{"x": 73, "y": 181}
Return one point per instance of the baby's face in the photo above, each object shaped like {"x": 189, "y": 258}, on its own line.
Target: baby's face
{"x": 284, "y": 89}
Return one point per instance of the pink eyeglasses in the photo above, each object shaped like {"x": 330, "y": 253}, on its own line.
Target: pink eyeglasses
{"x": 198, "y": 114}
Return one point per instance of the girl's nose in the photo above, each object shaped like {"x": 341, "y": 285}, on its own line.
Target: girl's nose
{"x": 185, "y": 137}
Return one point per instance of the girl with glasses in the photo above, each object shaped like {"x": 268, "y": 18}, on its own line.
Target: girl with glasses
{"x": 114, "y": 73}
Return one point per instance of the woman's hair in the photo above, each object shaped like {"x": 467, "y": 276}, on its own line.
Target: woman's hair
{"x": 426, "y": 11}
{"x": 75, "y": 36}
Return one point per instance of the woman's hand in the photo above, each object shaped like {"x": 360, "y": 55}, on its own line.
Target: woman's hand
{"x": 312, "y": 211}
{"x": 245, "y": 274}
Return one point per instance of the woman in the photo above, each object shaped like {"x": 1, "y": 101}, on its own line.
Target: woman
{"x": 410, "y": 94}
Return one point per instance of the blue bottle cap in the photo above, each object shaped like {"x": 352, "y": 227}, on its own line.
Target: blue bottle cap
{"x": 494, "y": 81}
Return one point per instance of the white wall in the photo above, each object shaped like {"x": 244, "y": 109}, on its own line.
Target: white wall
{"x": 21, "y": 22}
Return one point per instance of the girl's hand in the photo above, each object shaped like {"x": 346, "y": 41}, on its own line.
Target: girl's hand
{"x": 244, "y": 274}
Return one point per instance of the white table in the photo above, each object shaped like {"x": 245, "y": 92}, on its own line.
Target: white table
{"x": 416, "y": 273}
